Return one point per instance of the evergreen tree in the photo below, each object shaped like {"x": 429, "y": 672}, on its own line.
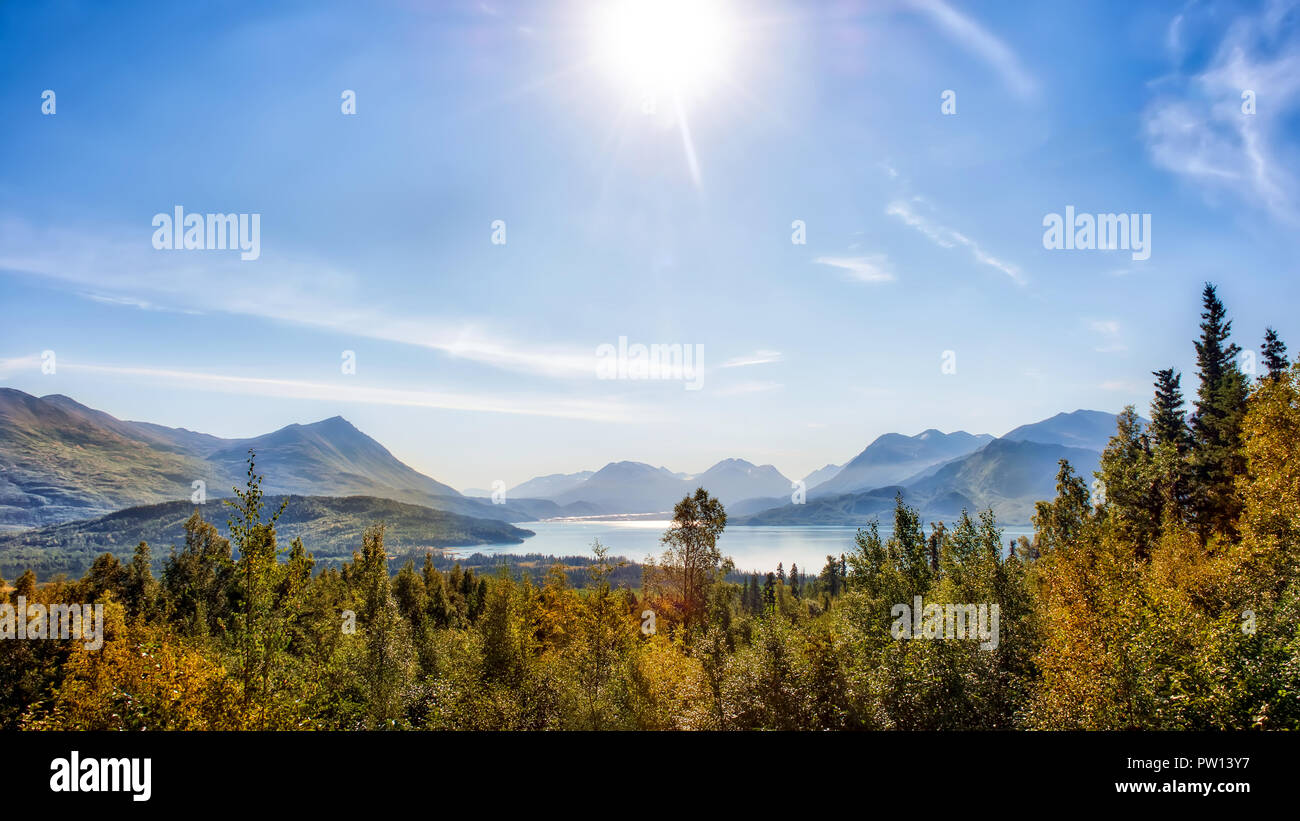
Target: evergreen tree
{"x": 1060, "y": 523}
{"x": 258, "y": 634}
{"x": 831, "y": 576}
{"x": 439, "y": 605}
{"x": 1126, "y": 475}
{"x": 1170, "y": 441}
{"x": 602, "y": 632}
{"x": 1168, "y": 425}
{"x": 909, "y": 549}
{"x": 197, "y": 581}
{"x": 794, "y": 580}
{"x": 935, "y": 545}
{"x": 412, "y": 598}
{"x": 1216, "y": 423}
{"x": 1274, "y": 351}
{"x": 140, "y": 587}
{"x": 388, "y": 662}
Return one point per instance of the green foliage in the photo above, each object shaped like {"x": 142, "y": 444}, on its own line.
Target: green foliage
{"x": 1167, "y": 599}
{"x": 1216, "y": 458}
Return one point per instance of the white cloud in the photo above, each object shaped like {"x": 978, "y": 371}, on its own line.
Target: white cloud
{"x": 948, "y": 238}
{"x": 589, "y": 410}
{"x": 759, "y": 357}
{"x": 293, "y": 291}
{"x": 1197, "y": 129}
{"x": 872, "y": 268}
{"x": 134, "y": 302}
{"x": 976, "y": 39}
{"x": 19, "y": 364}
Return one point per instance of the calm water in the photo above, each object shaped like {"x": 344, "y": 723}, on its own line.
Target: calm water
{"x": 753, "y": 548}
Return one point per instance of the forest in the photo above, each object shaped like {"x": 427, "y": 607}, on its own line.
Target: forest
{"x": 1162, "y": 593}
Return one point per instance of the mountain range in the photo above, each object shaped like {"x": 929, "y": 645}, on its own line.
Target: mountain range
{"x": 1008, "y": 474}
{"x": 894, "y": 458}
{"x": 61, "y": 461}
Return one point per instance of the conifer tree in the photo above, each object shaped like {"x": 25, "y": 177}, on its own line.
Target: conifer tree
{"x": 1216, "y": 423}
{"x": 1274, "y": 354}
{"x": 1126, "y": 474}
{"x": 258, "y": 634}
{"x": 141, "y": 588}
{"x": 1170, "y": 440}
{"x": 388, "y": 660}
{"x": 1168, "y": 423}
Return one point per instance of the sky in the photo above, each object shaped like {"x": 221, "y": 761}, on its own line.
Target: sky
{"x": 651, "y": 170}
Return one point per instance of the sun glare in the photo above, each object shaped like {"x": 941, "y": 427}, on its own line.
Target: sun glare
{"x": 670, "y": 47}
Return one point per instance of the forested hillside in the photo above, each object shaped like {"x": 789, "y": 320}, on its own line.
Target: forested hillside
{"x": 1165, "y": 596}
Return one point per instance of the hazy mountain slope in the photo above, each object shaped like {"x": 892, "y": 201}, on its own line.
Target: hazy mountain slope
{"x": 1008, "y": 476}
{"x": 546, "y": 487}
{"x": 734, "y": 479}
{"x": 820, "y": 475}
{"x": 59, "y": 462}
{"x": 635, "y": 487}
{"x": 857, "y": 508}
{"x": 627, "y": 487}
{"x": 328, "y": 458}
{"x": 746, "y": 507}
{"x": 893, "y": 457}
{"x": 330, "y": 528}
{"x": 1080, "y": 429}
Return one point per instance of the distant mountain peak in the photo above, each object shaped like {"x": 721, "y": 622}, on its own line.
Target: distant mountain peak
{"x": 894, "y": 457}
{"x": 1081, "y": 428}
{"x": 91, "y": 463}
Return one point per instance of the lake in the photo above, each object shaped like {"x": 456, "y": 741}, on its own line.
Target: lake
{"x": 753, "y": 548}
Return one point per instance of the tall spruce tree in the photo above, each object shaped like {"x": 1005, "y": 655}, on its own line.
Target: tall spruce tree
{"x": 1216, "y": 423}
{"x": 1274, "y": 354}
{"x": 1170, "y": 440}
{"x": 1133, "y": 510}
{"x": 1168, "y": 422}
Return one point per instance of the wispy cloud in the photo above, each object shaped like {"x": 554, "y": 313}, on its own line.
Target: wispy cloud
{"x": 19, "y": 364}
{"x": 1199, "y": 126}
{"x": 592, "y": 410}
{"x": 973, "y": 37}
{"x": 871, "y": 268}
{"x": 292, "y": 291}
{"x": 946, "y": 237}
{"x": 134, "y": 302}
{"x": 759, "y": 357}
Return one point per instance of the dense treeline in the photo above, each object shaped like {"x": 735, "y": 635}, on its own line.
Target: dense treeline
{"x": 1166, "y": 595}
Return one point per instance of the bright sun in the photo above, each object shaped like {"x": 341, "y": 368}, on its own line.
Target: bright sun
{"x": 677, "y": 48}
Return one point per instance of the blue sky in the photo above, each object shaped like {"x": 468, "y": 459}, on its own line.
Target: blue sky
{"x": 476, "y": 361}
